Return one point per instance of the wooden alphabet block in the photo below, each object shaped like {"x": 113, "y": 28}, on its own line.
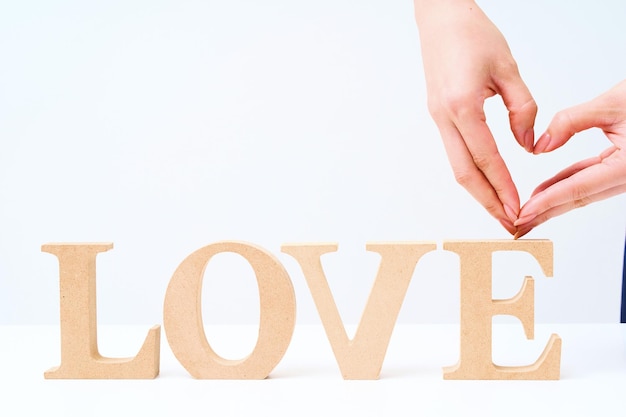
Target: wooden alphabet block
{"x": 358, "y": 358}
{"x": 362, "y": 357}
{"x": 182, "y": 316}
{"x": 478, "y": 308}
{"x": 79, "y": 347}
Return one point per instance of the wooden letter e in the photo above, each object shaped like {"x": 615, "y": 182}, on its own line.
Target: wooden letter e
{"x": 478, "y": 308}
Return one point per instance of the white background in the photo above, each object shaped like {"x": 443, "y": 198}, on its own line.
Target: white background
{"x": 164, "y": 126}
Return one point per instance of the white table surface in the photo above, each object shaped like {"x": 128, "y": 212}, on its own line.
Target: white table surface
{"x": 308, "y": 382}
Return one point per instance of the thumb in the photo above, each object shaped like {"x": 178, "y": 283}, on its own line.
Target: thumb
{"x": 522, "y": 108}
{"x": 568, "y": 122}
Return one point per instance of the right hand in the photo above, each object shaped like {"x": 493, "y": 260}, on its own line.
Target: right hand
{"x": 466, "y": 60}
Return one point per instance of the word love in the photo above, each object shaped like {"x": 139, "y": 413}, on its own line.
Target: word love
{"x": 358, "y": 358}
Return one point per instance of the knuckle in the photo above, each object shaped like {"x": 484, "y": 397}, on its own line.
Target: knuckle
{"x": 454, "y": 103}
{"x": 563, "y": 121}
{"x": 529, "y": 107}
{"x": 560, "y": 118}
{"x": 459, "y": 103}
{"x": 506, "y": 66}
{"x": 435, "y": 109}
{"x": 484, "y": 160}
{"x": 580, "y": 197}
{"x": 464, "y": 177}
{"x": 467, "y": 178}
{"x": 581, "y": 202}
{"x": 493, "y": 207}
{"x": 525, "y": 112}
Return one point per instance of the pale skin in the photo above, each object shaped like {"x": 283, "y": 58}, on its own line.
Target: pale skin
{"x": 587, "y": 181}
{"x": 467, "y": 60}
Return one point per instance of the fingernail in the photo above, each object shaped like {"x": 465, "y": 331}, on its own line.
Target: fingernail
{"x": 511, "y": 214}
{"x": 542, "y": 143}
{"x": 524, "y": 219}
{"x": 521, "y": 232}
{"x": 529, "y": 140}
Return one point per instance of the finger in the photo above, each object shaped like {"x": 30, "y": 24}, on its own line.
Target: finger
{"x": 578, "y": 189}
{"x": 564, "y": 208}
{"x": 522, "y": 231}
{"x": 568, "y": 122}
{"x": 485, "y": 157}
{"x": 520, "y": 104}
{"x": 571, "y": 170}
{"x": 472, "y": 179}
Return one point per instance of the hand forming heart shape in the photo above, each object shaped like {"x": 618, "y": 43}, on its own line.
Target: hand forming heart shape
{"x": 587, "y": 181}
{"x": 466, "y": 60}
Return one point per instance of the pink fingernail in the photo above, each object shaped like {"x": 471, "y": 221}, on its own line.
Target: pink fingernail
{"x": 529, "y": 140}
{"x": 511, "y": 214}
{"x": 542, "y": 143}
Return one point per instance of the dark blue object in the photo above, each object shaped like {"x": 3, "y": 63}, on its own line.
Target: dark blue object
{"x": 624, "y": 288}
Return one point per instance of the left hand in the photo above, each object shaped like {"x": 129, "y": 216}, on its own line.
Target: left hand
{"x": 587, "y": 181}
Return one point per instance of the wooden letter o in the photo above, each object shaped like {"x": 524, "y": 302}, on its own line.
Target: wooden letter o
{"x": 182, "y": 316}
